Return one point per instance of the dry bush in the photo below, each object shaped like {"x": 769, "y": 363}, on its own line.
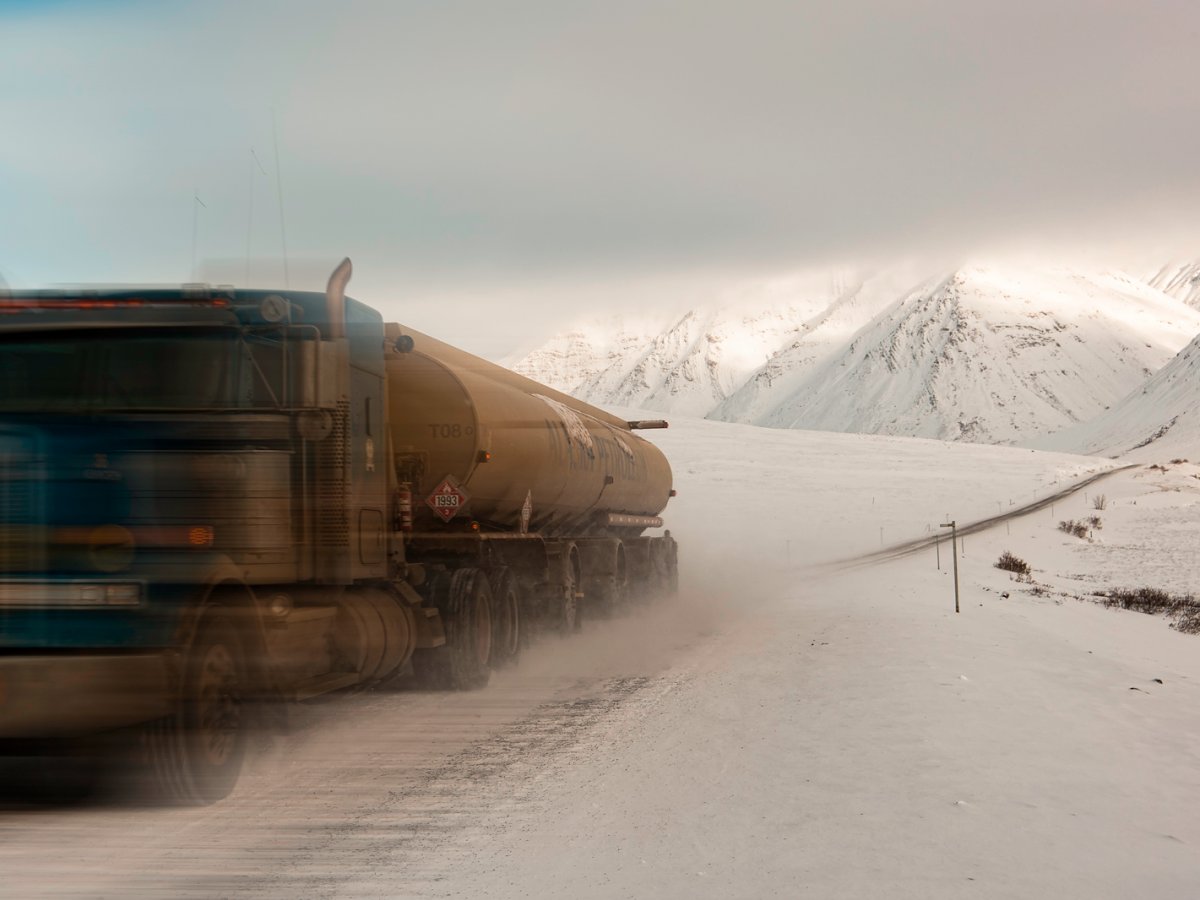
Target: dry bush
{"x": 1143, "y": 599}
{"x": 1010, "y": 563}
{"x": 1095, "y": 523}
{"x": 1100, "y": 501}
{"x": 1079, "y": 529}
{"x": 1188, "y": 620}
{"x": 1184, "y": 609}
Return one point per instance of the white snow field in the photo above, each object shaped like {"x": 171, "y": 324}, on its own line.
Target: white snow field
{"x": 784, "y": 728}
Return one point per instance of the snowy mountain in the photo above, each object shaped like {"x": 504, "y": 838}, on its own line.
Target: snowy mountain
{"x": 1159, "y": 420}
{"x": 990, "y": 357}
{"x": 1180, "y": 280}
{"x": 691, "y": 363}
{"x": 981, "y": 354}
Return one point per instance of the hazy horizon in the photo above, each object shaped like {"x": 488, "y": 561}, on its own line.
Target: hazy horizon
{"x": 490, "y": 167}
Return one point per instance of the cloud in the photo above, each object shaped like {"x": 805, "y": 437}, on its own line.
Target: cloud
{"x": 466, "y": 149}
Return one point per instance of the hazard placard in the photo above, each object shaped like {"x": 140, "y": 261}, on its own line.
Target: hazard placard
{"x": 447, "y": 499}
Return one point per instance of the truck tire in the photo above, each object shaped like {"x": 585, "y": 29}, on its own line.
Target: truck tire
{"x": 506, "y": 617}
{"x": 197, "y": 752}
{"x": 603, "y": 597}
{"x": 565, "y": 615}
{"x": 564, "y": 612}
{"x": 464, "y": 600}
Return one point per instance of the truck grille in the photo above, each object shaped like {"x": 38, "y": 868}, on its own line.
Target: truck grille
{"x": 20, "y": 538}
{"x": 333, "y": 526}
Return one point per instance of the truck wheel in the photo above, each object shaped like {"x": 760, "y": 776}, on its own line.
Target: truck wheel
{"x": 672, "y": 565}
{"x": 604, "y": 597}
{"x": 198, "y": 751}
{"x": 461, "y": 664}
{"x": 506, "y": 617}
{"x": 570, "y": 616}
{"x": 662, "y": 583}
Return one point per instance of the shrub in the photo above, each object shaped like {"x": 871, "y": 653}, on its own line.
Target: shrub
{"x": 1010, "y": 563}
{"x": 1184, "y": 609}
{"x": 1143, "y": 599}
{"x": 1188, "y": 621}
{"x": 1095, "y": 523}
{"x": 1099, "y": 502}
{"x": 1079, "y": 529}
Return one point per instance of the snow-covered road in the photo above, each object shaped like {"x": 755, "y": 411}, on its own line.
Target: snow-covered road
{"x": 776, "y": 731}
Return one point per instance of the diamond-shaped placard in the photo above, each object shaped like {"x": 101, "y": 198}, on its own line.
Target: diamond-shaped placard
{"x": 447, "y": 499}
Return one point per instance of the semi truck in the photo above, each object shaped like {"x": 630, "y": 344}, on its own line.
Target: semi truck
{"x": 217, "y": 500}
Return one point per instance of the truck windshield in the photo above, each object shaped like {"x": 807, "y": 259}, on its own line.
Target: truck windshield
{"x": 94, "y": 370}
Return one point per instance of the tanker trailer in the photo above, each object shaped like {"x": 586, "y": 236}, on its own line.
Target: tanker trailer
{"x": 207, "y": 504}
{"x": 524, "y": 479}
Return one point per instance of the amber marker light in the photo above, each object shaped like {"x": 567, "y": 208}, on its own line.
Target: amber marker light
{"x": 200, "y": 535}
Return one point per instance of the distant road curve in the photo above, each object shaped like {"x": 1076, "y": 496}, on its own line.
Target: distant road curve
{"x": 908, "y": 548}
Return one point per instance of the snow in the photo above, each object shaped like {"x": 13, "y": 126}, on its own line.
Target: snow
{"x": 1180, "y": 280}
{"x": 831, "y": 495}
{"x": 845, "y": 734}
{"x": 790, "y": 725}
{"x": 1159, "y": 419}
{"x": 987, "y": 354}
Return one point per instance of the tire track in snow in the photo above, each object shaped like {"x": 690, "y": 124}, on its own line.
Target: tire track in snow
{"x": 420, "y": 830}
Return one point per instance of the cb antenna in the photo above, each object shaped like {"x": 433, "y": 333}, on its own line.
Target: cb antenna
{"x": 250, "y": 210}
{"x": 279, "y": 194}
{"x": 197, "y": 203}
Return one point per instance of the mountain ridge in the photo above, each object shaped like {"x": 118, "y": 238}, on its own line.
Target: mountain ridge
{"x": 979, "y": 353}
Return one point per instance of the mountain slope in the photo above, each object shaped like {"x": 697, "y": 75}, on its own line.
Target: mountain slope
{"x": 991, "y": 357}
{"x": 1181, "y": 281}
{"x": 693, "y": 363}
{"x": 979, "y": 354}
{"x": 1159, "y": 420}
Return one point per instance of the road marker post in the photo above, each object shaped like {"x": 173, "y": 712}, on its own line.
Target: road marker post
{"x": 953, "y": 526}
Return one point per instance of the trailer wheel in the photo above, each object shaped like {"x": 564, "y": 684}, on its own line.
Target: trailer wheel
{"x": 464, "y": 601}
{"x": 506, "y": 617}
{"x": 664, "y": 575}
{"x": 604, "y": 597}
{"x": 570, "y": 615}
{"x": 198, "y": 751}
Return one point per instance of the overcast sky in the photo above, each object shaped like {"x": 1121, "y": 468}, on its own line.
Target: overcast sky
{"x": 490, "y": 166}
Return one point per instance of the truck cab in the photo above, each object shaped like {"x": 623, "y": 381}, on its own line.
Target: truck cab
{"x": 182, "y": 472}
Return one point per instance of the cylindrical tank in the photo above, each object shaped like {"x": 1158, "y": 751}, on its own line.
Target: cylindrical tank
{"x": 513, "y": 444}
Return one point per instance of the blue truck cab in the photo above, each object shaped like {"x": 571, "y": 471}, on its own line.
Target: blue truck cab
{"x": 190, "y": 481}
